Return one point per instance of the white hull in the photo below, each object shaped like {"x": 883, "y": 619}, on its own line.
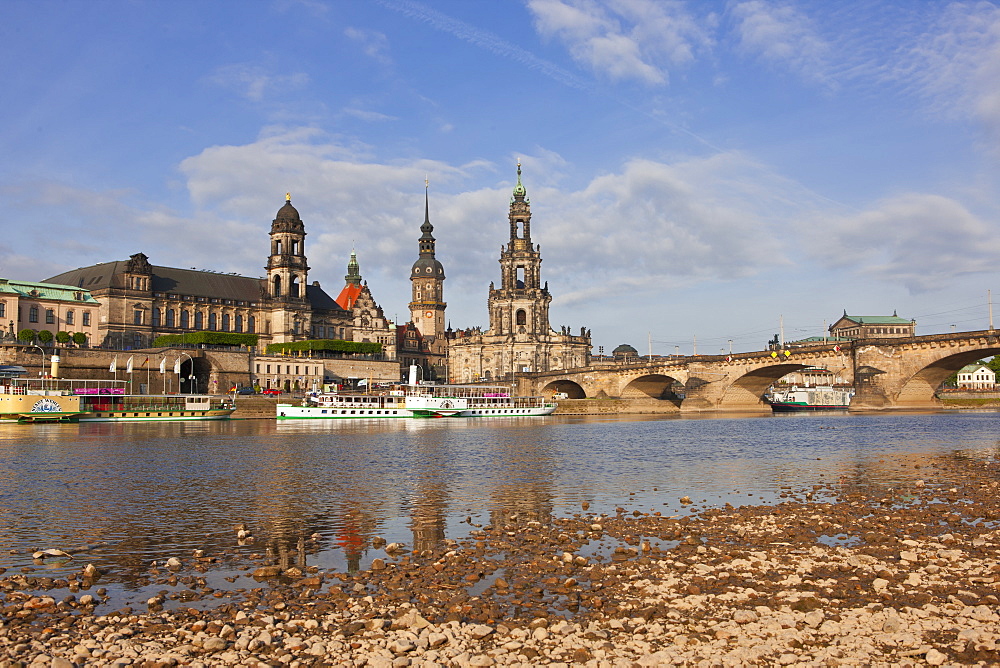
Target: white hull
{"x": 418, "y": 401}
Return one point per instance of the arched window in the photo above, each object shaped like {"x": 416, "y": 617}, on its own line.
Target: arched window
{"x": 521, "y": 317}
{"x": 293, "y": 288}
{"x": 156, "y": 317}
{"x": 239, "y": 323}
{"x": 212, "y": 322}
{"x": 199, "y": 320}
{"x": 185, "y": 319}
{"x": 276, "y": 286}
{"x": 170, "y": 317}
{"x": 225, "y": 322}
{"x": 251, "y": 323}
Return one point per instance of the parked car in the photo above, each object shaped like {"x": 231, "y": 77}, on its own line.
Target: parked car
{"x": 245, "y": 390}
{"x": 271, "y": 391}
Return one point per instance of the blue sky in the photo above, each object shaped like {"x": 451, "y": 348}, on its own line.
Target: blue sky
{"x": 696, "y": 169}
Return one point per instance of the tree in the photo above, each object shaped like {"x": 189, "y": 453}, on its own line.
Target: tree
{"x": 45, "y": 336}
{"x": 26, "y": 335}
{"x": 79, "y": 338}
{"x": 63, "y": 337}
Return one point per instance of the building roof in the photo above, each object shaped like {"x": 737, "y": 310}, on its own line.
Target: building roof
{"x": 973, "y": 368}
{"x": 51, "y": 291}
{"x": 878, "y": 319}
{"x": 187, "y": 282}
{"x": 348, "y": 296}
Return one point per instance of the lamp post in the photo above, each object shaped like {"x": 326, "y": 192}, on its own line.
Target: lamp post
{"x": 41, "y": 370}
{"x": 190, "y": 378}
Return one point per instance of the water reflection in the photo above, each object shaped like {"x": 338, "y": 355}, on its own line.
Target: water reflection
{"x": 135, "y": 493}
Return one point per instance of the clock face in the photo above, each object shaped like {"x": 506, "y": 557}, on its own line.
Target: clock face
{"x": 428, "y": 314}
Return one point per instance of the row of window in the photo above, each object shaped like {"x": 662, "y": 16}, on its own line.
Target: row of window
{"x": 212, "y": 300}
{"x": 169, "y": 318}
{"x": 315, "y": 370}
{"x": 50, "y": 315}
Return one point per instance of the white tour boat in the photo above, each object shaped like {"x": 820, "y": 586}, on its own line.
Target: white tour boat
{"x": 414, "y": 400}
{"x": 816, "y": 398}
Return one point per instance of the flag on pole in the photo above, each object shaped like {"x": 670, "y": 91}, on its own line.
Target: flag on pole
{"x": 114, "y": 364}
{"x": 163, "y": 365}
{"x": 128, "y": 366}
{"x": 177, "y": 366}
{"x": 144, "y": 362}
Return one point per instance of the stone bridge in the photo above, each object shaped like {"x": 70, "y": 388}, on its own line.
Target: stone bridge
{"x": 897, "y": 373}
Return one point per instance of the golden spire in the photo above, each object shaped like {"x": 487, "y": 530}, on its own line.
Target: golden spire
{"x": 288, "y": 197}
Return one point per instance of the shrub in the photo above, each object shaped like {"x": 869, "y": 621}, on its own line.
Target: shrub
{"x": 79, "y": 338}
{"x": 26, "y": 335}
{"x": 332, "y": 345}
{"x": 63, "y": 337}
{"x": 45, "y": 336}
{"x": 209, "y": 338}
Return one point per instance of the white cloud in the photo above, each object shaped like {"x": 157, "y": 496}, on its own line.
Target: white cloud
{"x": 955, "y": 64}
{"x": 369, "y": 116}
{"x": 918, "y": 240}
{"x": 254, "y": 82}
{"x": 374, "y": 44}
{"x": 781, "y": 34}
{"x": 623, "y": 39}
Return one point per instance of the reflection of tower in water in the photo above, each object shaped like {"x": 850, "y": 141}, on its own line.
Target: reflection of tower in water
{"x": 526, "y": 475}
{"x": 427, "y": 514}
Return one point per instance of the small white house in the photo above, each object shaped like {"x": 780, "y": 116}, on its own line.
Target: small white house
{"x": 977, "y": 377}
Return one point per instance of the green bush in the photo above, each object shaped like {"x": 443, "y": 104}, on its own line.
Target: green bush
{"x": 209, "y": 338}
{"x": 63, "y": 337}
{"x": 45, "y": 336}
{"x": 331, "y": 345}
{"x": 26, "y": 335}
{"x": 79, "y": 338}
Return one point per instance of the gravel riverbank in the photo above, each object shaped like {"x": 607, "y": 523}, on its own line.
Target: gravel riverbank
{"x": 834, "y": 575}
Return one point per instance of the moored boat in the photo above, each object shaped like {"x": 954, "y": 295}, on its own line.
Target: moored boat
{"x": 814, "y": 398}
{"x": 418, "y": 400}
{"x": 69, "y": 400}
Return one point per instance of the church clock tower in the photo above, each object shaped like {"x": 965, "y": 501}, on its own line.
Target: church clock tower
{"x": 427, "y": 286}
{"x": 521, "y": 305}
{"x": 286, "y": 276}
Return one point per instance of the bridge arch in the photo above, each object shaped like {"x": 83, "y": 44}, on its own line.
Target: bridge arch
{"x": 571, "y": 389}
{"x": 653, "y": 386}
{"x": 746, "y": 391}
{"x": 919, "y": 388}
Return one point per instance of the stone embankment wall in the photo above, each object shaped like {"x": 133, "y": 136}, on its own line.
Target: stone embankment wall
{"x": 608, "y": 406}
{"x": 259, "y": 406}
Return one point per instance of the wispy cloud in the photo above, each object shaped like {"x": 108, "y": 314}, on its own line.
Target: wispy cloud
{"x": 918, "y": 240}
{"x": 374, "y": 44}
{"x": 955, "y": 65}
{"x": 782, "y": 35}
{"x": 254, "y": 82}
{"x": 623, "y": 39}
{"x": 367, "y": 115}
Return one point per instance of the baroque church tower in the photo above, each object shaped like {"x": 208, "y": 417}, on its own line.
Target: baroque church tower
{"x": 427, "y": 284}
{"x": 520, "y": 339}
{"x": 521, "y": 305}
{"x": 287, "y": 271}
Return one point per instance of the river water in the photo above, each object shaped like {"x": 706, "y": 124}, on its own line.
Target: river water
{"x": 137, "y": 493}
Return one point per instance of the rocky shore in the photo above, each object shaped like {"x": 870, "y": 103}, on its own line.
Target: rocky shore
{"x": 834, "y": 575}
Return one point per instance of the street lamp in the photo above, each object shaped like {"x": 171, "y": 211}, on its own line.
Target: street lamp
{"x": 190, "y": 378}
{"x": 41, "y": 371}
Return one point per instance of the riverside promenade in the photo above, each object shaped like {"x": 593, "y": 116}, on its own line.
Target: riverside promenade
{"x": 832, "y": 575}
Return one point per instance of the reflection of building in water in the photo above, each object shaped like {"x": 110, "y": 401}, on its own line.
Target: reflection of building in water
{"x": 430, "y": 501}
{"x": 527, "y": 475}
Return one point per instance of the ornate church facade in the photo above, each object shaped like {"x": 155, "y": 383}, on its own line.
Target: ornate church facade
{"x": 519, "y": 338}
{"x": 140, "y": 301}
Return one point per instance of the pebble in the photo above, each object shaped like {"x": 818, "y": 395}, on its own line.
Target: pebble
{"x": 742, "y": 586}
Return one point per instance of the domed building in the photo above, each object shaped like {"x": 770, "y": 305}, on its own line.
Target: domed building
{"x": 140, "y": 301}
{"x": 422, "y": 342}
